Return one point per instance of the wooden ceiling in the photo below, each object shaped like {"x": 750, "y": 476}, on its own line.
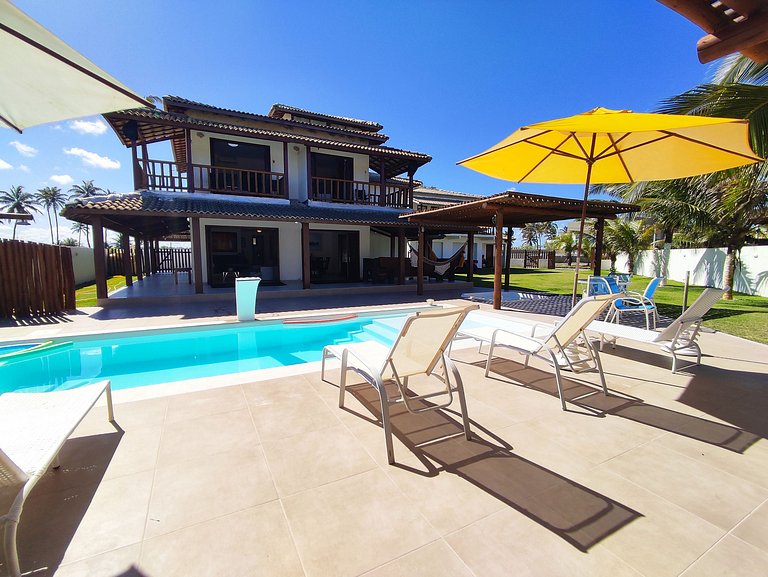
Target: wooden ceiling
{"x": 731, "y": 26}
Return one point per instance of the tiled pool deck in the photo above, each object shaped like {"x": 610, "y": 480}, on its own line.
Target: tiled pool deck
{"x": 668, "y": 476}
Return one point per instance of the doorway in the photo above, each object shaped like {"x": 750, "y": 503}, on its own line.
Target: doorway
{"x": 334, "y": 256}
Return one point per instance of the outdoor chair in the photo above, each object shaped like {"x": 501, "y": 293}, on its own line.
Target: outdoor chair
{"x": 623, "y": 279}
{"x": 419, "y": 349}
{"x": 603, "y": 285}
{"x": 33, "y": 428}
{"x": 678, "y": 339}
{"x": 564, "y": 344}
{"x": 637, "y": 302}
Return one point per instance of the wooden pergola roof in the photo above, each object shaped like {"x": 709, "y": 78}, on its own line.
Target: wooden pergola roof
{"x": 731, "y": 26}
{"x": 519, "y": 208}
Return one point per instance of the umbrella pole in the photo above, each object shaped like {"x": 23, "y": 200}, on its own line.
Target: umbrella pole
{"x": 581, "y": 233}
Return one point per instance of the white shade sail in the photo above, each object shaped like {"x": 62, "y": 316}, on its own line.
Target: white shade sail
{"x": 42, "y": 79}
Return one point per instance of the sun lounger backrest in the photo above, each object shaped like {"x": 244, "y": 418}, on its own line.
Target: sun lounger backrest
{"x": 585, "y": 311}
{"x": 697, "y": 310}
{"x": 424, "y": 338}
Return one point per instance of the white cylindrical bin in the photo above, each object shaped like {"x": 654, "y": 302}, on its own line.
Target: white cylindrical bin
{"x": 245, "y": 297}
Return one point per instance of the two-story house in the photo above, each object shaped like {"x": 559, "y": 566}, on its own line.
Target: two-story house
{"x": 293, "y": 196}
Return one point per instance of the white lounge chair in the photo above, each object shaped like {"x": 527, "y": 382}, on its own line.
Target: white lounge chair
{"x": 419, "y": 349}
{"x": 563, "y": 344}
{"x": 33, "y": 428}
{"x": 678, "y": 339}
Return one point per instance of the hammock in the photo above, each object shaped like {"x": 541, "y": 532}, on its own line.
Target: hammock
{"x": 441, "y": 265}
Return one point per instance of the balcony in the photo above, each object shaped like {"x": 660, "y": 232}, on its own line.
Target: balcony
{"x": 165, "y": 175}
{"x": 360, "y": 192}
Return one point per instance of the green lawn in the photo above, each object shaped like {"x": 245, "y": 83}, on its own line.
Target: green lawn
{"x": 745, "y": 316}
{"x": 85, "y": 296}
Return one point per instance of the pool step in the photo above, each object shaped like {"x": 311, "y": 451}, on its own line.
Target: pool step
{"x": 383, "y": 330}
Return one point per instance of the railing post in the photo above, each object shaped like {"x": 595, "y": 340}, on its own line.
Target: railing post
{"x": 190, "y": 170}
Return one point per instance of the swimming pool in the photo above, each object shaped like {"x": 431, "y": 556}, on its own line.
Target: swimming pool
{"x": 141, "y": 358}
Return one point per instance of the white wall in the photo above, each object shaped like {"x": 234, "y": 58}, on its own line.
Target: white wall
{"x": 82, "y": 262}
{"x": 706, "y": 266}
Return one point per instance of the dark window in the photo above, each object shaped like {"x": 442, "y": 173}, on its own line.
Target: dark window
{"x": 237, "y": 165}
{"x": 333, "y": 175}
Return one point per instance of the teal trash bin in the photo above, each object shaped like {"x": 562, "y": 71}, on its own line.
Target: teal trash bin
{"x": 245, "y": 297}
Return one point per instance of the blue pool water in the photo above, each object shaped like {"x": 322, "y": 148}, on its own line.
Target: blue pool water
{"x": 152, "y": 357}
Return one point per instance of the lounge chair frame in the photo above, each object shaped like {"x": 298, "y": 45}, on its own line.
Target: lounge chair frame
{"x": 440, "y": 366}
{"x": 54, "y": 417}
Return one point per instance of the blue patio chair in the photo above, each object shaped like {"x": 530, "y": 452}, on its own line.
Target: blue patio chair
{"x": 636, "y": 302}
{"x": 623, "y": 279}
{"x": 603, "y": 285}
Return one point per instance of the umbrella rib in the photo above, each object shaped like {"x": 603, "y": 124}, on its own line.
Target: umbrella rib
{"x": 618, "y": 153}
{"x": 526, "y": 141}
{"x": 74, "y": 65}
{"x": 613, "y": 145}
{"x": 10, "y": 124}
{"x": 550, "y": 153}
{"x": 721, "y": 149}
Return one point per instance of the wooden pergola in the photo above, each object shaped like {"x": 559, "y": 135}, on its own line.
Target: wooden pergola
{"x": 731, "y": 26}
{"x": 512, "y": 209}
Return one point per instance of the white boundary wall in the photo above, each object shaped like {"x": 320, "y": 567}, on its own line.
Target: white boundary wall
{"x": 706, "y": 266}
{"x": 82, "y": 262}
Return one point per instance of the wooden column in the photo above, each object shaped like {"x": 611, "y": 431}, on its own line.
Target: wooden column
{"x": 139, "y": 271}
{"x": 599, "y": 225}
{"x": 392, "y": 245}
{"x": 497, "y": 264}
{"x": 190, "y": 170}
{"x": 507, "y": 258}
{"x": 409, "y": 201}
{"x": 470, "y": 256}
{"x": 197, "y": 254}
{"x": 420, "y": 263}
{"x": 305, "y": 270}
{"x": 125, "y": 246}
{"x": 401, "y": 255}
{"x": 286, "y": 190}
{"x": 99, "y": 263}
{"x": 147, "y": 264}
{"x": 383, "y": 189}
{"x": 138, "y": 179}
{"x": 309, "y": 173}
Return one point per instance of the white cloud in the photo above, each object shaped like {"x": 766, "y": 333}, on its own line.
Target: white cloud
{"x": 23, "y": 149}
{"x": 23, "y": 168}
{"x": 61, "y": 179}
{"x": 93, "y": 159}
{"x": 4, "y": 165}
{"x": 95, "y": 127}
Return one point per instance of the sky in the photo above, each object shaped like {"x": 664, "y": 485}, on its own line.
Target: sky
{"x": 446, "y": 78}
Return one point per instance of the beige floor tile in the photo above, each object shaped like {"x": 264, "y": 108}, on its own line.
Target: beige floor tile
{"x": 712, "y": 494}
{"x": 196, "y": 490}
{"x": 354, "y": 525}
{"x": 205, "y": 403}
{"x": 284, "y": 419}
{"x": 754, "y": 529}
{"x": 131, "y": 415}
{"x": 311, "y": 459}
{"x": 509, "y": 543}
{"x": 664, "y": 540}
{"x": 116, "y": 562}
{"x": 293, "y": 388}
{"x": 732, "y": 557}
{"x": 137, "y": 451}
{"x": 199, "y": 437}
{"x": 115, "y": 517}
{"x": 255, "y": 541}
{"x": 434, "y": 560}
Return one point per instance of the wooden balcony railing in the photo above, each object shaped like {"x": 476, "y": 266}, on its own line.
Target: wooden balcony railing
{"x": 165, "y": 175}
{"x": 360, "y": 192}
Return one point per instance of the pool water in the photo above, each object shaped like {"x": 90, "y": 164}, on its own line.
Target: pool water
{"x": 152, "y": 357}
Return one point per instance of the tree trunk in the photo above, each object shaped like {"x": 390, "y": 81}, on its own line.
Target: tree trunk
{"x": 50, "y": 222}
{"x": 728, "y": 273}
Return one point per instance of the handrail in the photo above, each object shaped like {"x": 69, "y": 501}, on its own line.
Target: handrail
{"x": 360, "y": 192}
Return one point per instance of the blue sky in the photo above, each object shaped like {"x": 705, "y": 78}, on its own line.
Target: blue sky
{"x": 446, "y": 78}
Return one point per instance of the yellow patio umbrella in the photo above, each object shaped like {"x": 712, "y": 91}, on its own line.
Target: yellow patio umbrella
{"x": 616, "y": 146}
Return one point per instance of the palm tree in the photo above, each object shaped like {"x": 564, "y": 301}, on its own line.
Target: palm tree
{"x": 530, "y": 235}
{"x": 52, "y": 198}
{"x": 81, "y": 228}
{"x": 85, "y": 190}
{"x": 566, "y": 241}
{"x": 544, "y": 229}
{"x": 626, "y": 236}
{"x": 17, "y": 200}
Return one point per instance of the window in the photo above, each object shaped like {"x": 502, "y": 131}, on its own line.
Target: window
{"x": 237, "y": 166}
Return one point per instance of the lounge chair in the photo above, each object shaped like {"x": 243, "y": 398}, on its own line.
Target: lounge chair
{"x": 637, "y": 302}
{"x": 33, "y": 428}
{"x": 419, "y": 349}
{"x": 563, "y": 344}
{"x": 678, "y": 339}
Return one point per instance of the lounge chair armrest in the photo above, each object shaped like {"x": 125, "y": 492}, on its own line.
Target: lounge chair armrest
{"x": 531, "y": 339}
